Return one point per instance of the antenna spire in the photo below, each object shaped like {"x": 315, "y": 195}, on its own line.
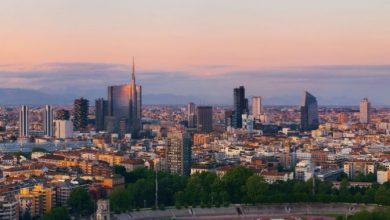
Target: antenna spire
{"x": 133, "y": 73}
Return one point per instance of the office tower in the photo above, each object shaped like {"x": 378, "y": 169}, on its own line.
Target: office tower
{"x": 257, "y": 107}
{"x": 62, "y": 114}
{"x": 101, "y": 111}
{"x": 48, "y": 121}
{"x": 179, "y": 153}
{"x": 23, "y": 122}
{"x": 63, "y": 129}
{"x": 309, "y": 112}
{"x": 139, "y": 106}
{"x": 134, "y": 120}
{"x": 80, "y": 118}
{"x": 191, "y": 115}
{"x": 124, "y": 107}
{"x": 240, "y": 106}
{"x": 205, "y": 119}
{"x": 365, "y": 106}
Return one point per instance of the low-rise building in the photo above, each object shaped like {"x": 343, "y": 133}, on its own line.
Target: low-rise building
{"x": 274, "y": 176}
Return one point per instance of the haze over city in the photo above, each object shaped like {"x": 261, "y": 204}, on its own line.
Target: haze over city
{"x": 197, "y": 49}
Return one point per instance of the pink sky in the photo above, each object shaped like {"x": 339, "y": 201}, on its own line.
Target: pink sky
{"x": 177, "y": 35}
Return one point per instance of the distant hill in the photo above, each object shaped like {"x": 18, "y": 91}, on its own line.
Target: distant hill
{"x": 11, "y": 96}
{"x": 30, "y": 97}
{"x": 155, "y": 99}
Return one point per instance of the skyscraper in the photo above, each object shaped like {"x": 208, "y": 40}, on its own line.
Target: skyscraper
{"x": 240, "y": 106}
{"x": 309, "y": 112}
{"x": 23, "y": 122}
{"x": 257, "y": 107}
{"x": 48, "y": 121}
{"x": 205, "y": 119}
{"x": 139, "y": 106}
{"x": 81, "y": 109}
{"x": 365, "y": 107}
{"x": 101, "y": 111}
{"x": 191, "y": 115}
{"x": 124, "y": 107}
{"x": 134, "y": 121}
{"x": 62, "y": 114}
{"x": 179, "y": 152}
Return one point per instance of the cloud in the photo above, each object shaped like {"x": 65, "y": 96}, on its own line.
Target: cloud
{"x": 332, "y": 84}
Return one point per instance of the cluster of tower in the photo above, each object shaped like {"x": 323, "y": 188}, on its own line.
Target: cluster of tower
{"x": 60, "y": 127}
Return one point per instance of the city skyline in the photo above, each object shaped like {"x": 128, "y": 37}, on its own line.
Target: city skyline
{"x": 55, "y": 84}
{"x": 330, "y": 48}
{"x": 223, "y": 109}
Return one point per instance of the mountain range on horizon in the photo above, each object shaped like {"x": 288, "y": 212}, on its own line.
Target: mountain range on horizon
{"x": 17, "y": 96}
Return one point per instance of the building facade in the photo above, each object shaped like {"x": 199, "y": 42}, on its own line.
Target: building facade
{"x": 309, "y": 112}
{"x": 240, "y": 106}
{"x": 23, "y": 122}
{"x": 124, "y": 108}
{"x": 48, "y": 121}
{"x": 179, "y": 153}
{"x": 81, "y": 109}
{"x": 63, "y": 129}
{"x": 191, "y": 115}
{"x": 364, "y": 114}
{"x": 101, "y": 111}
{"x": 257, "y": 107}
{"x": 38, "y": 200}
{"x": 205, "y": 119}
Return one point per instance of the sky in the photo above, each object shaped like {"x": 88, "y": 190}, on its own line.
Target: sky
{"x": 339, "y": 50}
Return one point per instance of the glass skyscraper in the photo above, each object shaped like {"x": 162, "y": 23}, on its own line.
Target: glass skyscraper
{"x": 309, "y": 112}
{"x": 240, "y": 106}
{"x": 101, "y": 111}
{"x": 124, "y": 108}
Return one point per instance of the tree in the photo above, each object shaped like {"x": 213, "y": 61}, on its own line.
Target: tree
{"x": 255, "y": 189}
{"x": 80, "y": 202}
{"x": 234, "y": 180}
{"x": 382, "y": 195}
{"x": 120, "y": 200}
{"x": 121, "y": 170}
{"x": 59, "y": 213}
{"x": 26, "y": 215}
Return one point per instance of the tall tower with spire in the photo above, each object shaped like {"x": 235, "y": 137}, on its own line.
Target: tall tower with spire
{"x": 124, "y": 107}
{"x": 133, "y": 107}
